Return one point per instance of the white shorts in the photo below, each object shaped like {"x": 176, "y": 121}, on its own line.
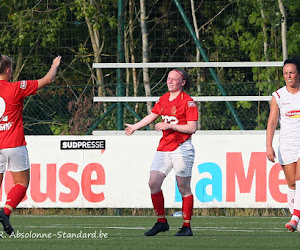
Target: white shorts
{"x": 14, "y": 159}
{"x": 181, "y": 159}
{"x": 288, "y": 154}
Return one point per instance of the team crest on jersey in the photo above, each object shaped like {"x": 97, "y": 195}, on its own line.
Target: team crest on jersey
{"x": 173, "y": 110}
{"x": 23, "y": 85}
{"x": 191, "y": 104}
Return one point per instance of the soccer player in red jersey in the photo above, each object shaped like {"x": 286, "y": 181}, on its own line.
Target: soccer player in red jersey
{"x": 13, "y": 151}
{"x": 179, "y": 114}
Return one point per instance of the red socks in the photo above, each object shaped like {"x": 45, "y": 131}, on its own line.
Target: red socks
{"x": 187, "y": 210}
{"x": 159, "y": 207}
{"x": 296, "y": 212}
{"x": 14, "y": 197}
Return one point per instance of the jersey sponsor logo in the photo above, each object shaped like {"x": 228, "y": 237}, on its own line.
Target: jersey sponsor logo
{"x": 82, "y": 144}
{"x": 23, "y": 85}
{"x": 6, "y": 126}
{"x": 191, "y": 104}
{"x": 293, "y": 114}
{"x": 169, "y": 119}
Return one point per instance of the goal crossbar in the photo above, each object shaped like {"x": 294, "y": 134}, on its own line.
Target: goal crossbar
{"x": 195, "y": 98}
{"x": 188, "y": 65}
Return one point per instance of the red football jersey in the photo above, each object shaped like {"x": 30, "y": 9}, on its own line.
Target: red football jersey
{"x": 179, "y": 111}
{"x": 12, "y": 96}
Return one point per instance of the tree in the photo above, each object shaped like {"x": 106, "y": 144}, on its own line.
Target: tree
{"x": 131, "y": 45}
{"x": 145, "y": 52}
{"x": 85, "y": 31}
{"x": 283, "y": 30}
{"x": 98, "y": 20}
{"x": 27, "y": 22}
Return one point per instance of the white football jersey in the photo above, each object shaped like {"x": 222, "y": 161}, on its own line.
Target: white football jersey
{"x": 289, "y": 117}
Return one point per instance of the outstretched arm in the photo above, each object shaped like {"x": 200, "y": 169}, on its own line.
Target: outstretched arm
{"x": 50, "y": 76}
{"x": 130, "y": 128}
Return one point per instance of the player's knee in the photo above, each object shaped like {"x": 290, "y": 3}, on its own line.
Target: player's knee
{"x": 151, "y": 184}
{"x": 184, "y": 190}
{"x": 154, "y": 186}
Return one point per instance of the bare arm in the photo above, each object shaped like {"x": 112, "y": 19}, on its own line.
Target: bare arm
{"x": 189, "y": 128}
{"x": 272, "y": 124}
{"x": 130, "y": 128}
{"x": 50, "y": 76}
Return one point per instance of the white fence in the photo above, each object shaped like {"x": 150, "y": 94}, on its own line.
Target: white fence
{"x": 195, "y": 98}
{"x": 187, "y": 65}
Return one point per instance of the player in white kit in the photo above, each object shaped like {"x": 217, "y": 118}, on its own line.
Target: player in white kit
{"x": 285, "y": 108}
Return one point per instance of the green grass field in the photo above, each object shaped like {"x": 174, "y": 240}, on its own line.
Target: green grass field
{"x": 127, "y": 232}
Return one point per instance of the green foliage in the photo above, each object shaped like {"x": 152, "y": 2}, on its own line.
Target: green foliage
{"x": 31, "y": 23}
{"x": 34, "y": 32}
{"x": 244, "y": 105}
{"x": 98, "y": 12}
{"x": 59, "y": 129}
{"x": 293, "y": 38}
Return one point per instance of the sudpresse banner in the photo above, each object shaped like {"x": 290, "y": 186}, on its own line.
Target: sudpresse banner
{"x": 110, "y": 169}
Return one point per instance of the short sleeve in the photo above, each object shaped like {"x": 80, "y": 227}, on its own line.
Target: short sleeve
{"x": 157, "y": 107}
{"x": 191, "y": 111}
{"x": 277, "y": 96}
{"x": 26, "y": 88}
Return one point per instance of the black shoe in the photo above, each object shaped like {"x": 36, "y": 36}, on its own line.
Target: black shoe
{"x": 184, "y": 231}
{"x": 158, "y": 227}
{"x": 4, "y": 219}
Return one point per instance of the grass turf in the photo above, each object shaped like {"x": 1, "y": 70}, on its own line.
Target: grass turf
{"x": 127, "y": 232}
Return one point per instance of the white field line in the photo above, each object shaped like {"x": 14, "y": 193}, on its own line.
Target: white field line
{"x": 85, "y": 216}
{"x": 144, "y": 216}
{"x": 216, "y": 229}
{"x": 204, "y": 228}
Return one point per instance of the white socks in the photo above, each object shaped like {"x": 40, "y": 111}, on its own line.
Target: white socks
{"x": 297, "y": 201}
{"x": 290, "y": 199}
